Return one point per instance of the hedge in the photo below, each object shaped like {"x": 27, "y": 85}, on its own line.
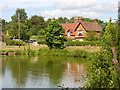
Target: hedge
{"x": 41, "y": 42}
{"x": 16, "y": 43}
{"x": 83, "y": 43}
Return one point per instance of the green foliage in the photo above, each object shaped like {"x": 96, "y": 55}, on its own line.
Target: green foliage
{"x": 4, "y": 23}
{"x": 83, "y": 43}
{"x": 101, "y": 71}
{"x": 5, "y": 37}
{"x": 23, "y": 16}
{"x": 12, "y": 28}
{"x": 36, "y": 25}
{"x": 63, "y": 20}
{"x": 91, "y": 36}
{"x": 63, "y": 52}
{"x": 54, "y": 35}
{"x": 13, "y": 42}
{"x": 41, "y": 42}
{"x": 111, "y": 38}
{"x": 34, "y": 37}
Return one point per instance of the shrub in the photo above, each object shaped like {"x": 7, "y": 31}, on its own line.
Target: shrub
{"x": 80, "y": 53}
{"x": 101, "y": 71}
{"x": 42, "y": 51}
{"x": 41, "y": 42}
{"x": 63, "y": 52}
{"x": 13, "y": 42}
{"x": 10, "y": 42}
{"x": 83, "y": 43}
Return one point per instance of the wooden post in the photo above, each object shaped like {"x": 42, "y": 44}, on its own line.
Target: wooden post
{"x": 19, "y": 28}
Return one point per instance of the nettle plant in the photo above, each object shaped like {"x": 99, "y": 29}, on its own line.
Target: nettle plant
{"x": 103, "y": 71}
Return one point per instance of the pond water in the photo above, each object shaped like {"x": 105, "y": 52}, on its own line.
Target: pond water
{"x": 42, "y": 72}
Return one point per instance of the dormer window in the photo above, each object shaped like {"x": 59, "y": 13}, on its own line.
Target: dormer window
{"x": 80, "y": 32}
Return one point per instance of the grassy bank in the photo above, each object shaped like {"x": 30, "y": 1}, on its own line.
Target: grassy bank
{"x": 69, "y": 51}
{"x": 70, "y": 48}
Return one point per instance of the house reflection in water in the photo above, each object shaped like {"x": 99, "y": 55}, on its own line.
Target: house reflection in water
{"x": 74, "y": 75}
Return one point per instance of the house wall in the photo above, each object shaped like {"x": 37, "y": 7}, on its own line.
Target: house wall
{"x": 70, "y": 37}
{"x": 80, "y": 28}
{"x": 98, "y": 33}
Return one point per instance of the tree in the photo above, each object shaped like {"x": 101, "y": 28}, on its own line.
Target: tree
{"x": 36, "y": 25}
{"x": 23, "y": 16}
{"x": 12, "y": 28}
{"x": 4, "y": 23}
{"x": 54, "y": 35}
{"x": 71, "y": 20}
{"x": 63, "y": 20}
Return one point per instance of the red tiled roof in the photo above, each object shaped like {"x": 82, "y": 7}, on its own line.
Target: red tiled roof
{"x": 91, "y": 26}
{"x": 70, "y": 26}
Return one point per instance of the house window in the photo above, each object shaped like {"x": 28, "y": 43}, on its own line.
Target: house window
{"x": 80, "y": 32}
{"x": 69, "y": 33}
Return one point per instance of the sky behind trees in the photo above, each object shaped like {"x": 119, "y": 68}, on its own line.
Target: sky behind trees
{"x": 101, "y": 9}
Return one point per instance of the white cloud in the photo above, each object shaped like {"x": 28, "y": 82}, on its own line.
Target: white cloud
{"x": 69, "y": 13}
{"x": 73, "y": 4}
{"x": 5, "y": 9}
{"x": 27, "y": 3}
{"x": 91, "y": 5}
{"x": 68, "y": 8}
{"x": 107, "y": 7}
{"x": 85, "y": 8}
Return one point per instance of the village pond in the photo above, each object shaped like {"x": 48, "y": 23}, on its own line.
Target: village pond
{"x": 43, "y": 72}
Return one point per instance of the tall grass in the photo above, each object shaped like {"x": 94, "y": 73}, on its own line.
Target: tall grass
{"x": 63, "y": 52}
{"x": 52, "y": 52}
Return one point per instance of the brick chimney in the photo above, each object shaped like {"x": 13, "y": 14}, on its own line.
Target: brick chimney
{"x": 78, "y": 19}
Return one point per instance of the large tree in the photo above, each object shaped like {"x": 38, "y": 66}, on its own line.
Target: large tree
{"x": 54, "y": 35}
{"x": 36, "y": 25}
{"x": 12, "y": 26}
{"x": 4, "y": 23}
{"x": 63, "y": 20}
{"x": 22, "y": 14}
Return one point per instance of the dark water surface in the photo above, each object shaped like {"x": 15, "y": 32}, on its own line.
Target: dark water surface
{"x": 42, "y": 72}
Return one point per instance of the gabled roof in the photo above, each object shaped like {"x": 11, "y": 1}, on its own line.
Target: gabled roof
{"x": 91, "y": 26}
{"x": 70, "y": 27}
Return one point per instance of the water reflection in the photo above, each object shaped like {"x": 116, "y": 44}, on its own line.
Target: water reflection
{"x": 42, "y": 72}
{"x": 73, "y": 75}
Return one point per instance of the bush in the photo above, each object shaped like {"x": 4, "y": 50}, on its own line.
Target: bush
{"x": 83, "y": 43}
{"x": 41, "y": 42}
{"x": 16, "y": 43}
{"x": 101, "y": 71}
{"x": 63, "y": 52}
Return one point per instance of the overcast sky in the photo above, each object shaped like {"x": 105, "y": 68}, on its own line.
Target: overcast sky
{"x": 101, "y": 9}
